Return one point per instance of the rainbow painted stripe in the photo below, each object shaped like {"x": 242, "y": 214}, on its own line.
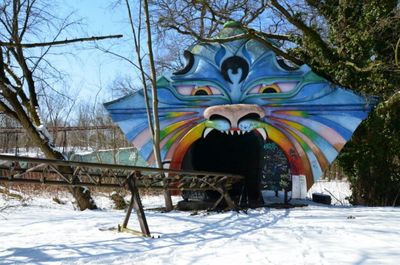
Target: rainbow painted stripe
{"x": 309, "y": 118}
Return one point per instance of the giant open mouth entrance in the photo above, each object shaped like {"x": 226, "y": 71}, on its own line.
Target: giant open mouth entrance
{"x": 237, "y": 154}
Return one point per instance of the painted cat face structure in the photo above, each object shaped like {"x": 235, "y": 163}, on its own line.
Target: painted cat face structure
{"x": 241, "y": 87}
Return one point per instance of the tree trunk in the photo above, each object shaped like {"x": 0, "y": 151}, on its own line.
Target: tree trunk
{"x": 81, "y": 194}
{"x": 40, "y": 139}
{"x": 156, "y": 121}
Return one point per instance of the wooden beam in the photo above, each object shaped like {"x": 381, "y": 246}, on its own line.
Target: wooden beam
{"x": 49, "y": 172}
{"x": 60, "y": 129}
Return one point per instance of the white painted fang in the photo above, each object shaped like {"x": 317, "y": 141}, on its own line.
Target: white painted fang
{"x": 207, "y": 131}
{"x": 263, "y": 133}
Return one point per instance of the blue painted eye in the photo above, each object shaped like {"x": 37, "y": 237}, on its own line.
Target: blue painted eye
{"x": 202, "y": 91}
{"x": 281, "y": 87}
{"x": 269, "y": 89}
{"x": 198, "y": 91}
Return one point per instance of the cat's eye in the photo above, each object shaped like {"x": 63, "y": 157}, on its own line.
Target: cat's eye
{"x": 198, "y": 90}
{"x": 269, "y": 89}
{"x": 279, "y": 87}
{"x": 202, "y": 91}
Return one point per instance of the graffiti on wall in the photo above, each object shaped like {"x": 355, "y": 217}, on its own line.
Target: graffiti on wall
{"x": 241, "y": 87}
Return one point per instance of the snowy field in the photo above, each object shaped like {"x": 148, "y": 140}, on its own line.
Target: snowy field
{"x": 39, "y": 231}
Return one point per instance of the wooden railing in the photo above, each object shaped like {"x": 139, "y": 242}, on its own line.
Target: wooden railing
{"x": 18, "y": 170}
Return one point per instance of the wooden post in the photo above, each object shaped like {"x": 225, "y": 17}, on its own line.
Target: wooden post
{"x": 167, "y": 198}
{"x": 64, "y": 141}
{"x": 136, "y": 204}
{"x": 16, "y": 145}
{"x": 224, "y": 195}
{"x": 128, "y": 212}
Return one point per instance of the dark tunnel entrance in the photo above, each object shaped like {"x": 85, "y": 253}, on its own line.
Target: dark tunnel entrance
{"x": 237, "y": 154}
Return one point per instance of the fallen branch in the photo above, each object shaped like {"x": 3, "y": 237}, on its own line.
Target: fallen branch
{"x": 334, "y": 196}
{"x": 7, "y": 207}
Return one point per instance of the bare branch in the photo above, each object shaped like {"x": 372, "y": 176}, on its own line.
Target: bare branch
{"x": 369, "y": 68}
{"x": 4, "y": 108}
{"x": 11, "y": 73}
{"x": 26, "y": 20}
{"x": 136, "y": 38}
{"x": 61, "y": 42}
{"x": 312, "y": 34}
{"x": 279, "y": 51}
{"x": 258, "y": 12}
{"x": 396, "y": 53}
{"x": 122, "y": 57}
{"x": 250, "y": 34}
{"x": 156, "y": 125}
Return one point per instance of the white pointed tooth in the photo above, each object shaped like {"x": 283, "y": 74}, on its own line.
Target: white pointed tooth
{"x": 263, "y": 133}
{"x": 227, "y": 132}
{"x": 231, "y": 132}
{"x": 207, "y": 131}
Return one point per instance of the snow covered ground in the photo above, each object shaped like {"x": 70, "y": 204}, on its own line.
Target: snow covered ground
{"x": 39, "y": 231}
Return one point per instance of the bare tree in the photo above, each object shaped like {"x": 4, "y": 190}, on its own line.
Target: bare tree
{"x": 146, "y": 78}
{"x": 94, "y": 129}
{"x": 122, "y": 86}
{"x": 8, "y": 139}
{"x": 57, "y": 108}
{"x": 180, "y": 24}
{"x": 205, "y": 18}
{"x": 24, "y": 25}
